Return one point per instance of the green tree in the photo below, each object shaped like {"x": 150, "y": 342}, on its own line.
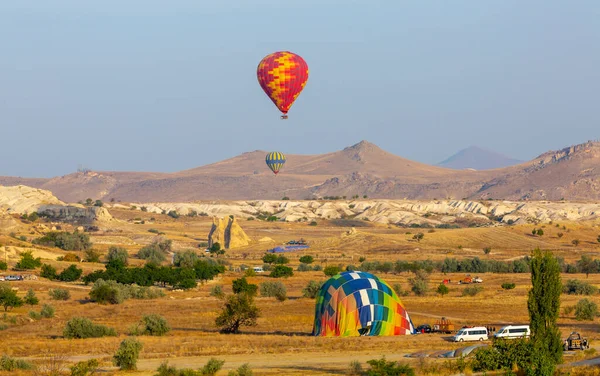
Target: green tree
{"x": 306, "y": 259}
{"x": 89, "y": 202}
{"x": 238, "y": 310}
{"x": 70, "y": 274}
{"x": 118, "y": 253}
{"x": 540, "y": 232}
{"x": 312, "y": 289}
{"x": 269, "y": 258}
{"x": 443, "y": 289}
{"x": 575, "y": 242}
{"x": 544, "y": 305}
{"x": 598, "y": 238}
{"x": 418, "y": 237}
{"x": 331, "y": 270}
{"x": 487, "y": 250}
{"x": 281, "y": 271}
{"x": 215, "y": 248}
{"x": 30, "y": 298}
{"x": 92, "y": 255}
{"x": 98, "y": 203}
{"x": 587, "y": 265}
{"x": 128, "y": 353}
{"x": 8, "y": 297}
{"x": 586, "y": 310}
{"x": 28, "y": 262}
{"x": 241, "y": 286}
{"x": 3, "y": 265}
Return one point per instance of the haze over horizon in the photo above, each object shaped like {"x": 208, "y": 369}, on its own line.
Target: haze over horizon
{"x": 146, "y": 86}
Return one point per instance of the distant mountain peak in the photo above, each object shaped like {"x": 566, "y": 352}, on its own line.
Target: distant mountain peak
{"x": 363, "y": 145}
{"x": 478, "y": 158}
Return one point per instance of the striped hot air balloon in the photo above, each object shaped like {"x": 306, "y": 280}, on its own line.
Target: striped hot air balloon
{"x": 282, "y": 75}
{"x": 359, "y": 304}
{"x": 275, "y": 160}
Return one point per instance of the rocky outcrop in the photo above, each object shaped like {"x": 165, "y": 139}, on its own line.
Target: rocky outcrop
{"x": 22, "y": 199}
{"x": 401, "y": 212}
{"x": 75, "y": 214}
{"x": 228, "y": 233}
{"x": 7, "y": 223}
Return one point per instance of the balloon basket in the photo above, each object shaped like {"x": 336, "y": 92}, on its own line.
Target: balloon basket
{"x": 283, "y": 117}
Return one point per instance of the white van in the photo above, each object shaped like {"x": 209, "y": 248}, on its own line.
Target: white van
{"x": 477, "y": 333}
{"x": 258, "y": 269}
{"x": 513, "y": 331}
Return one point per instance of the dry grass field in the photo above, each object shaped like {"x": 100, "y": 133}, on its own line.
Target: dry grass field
{"x": 281, "y": 343}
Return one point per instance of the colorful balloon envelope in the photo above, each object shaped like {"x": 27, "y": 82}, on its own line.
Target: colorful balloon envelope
{"x": 359, "y": 304}
{"x": 282, "y": 75}
{"x": 275, "y": 160}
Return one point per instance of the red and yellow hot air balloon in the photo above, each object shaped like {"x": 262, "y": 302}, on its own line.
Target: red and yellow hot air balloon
{"x": 282, "y": 75}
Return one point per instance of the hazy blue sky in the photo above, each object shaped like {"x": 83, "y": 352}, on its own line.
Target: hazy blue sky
{"x": 169, "y": 85}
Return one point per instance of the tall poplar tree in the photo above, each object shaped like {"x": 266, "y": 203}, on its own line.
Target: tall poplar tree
{"x": 544, "y": 306}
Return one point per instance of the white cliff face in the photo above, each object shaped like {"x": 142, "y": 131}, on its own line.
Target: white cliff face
{"x": 405, "y": 212}
{"x": 21, "y": 199}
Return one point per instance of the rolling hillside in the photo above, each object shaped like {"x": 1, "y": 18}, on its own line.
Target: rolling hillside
{"x": 364, "y": 169}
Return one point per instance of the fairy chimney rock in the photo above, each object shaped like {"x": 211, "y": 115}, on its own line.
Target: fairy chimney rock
{"x": 228, "y": 233}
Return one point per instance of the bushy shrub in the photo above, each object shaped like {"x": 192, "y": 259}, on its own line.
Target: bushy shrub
{"x": 76, "y": 241}
{"x": 152, "y": 254}
{"x": 577, "y": 287}
{"x": 281, "y": 271}
{"x": 508, "y": 286}
{"x": 84, "y": 368}
{"x": 243, "y": 370}
{"x": 3, "y": 265}
{"x": 11, "y": 364}
{"x": 70, "y": 274}
{"x": 399, "y": 290}
{"x": 472, "y": 290}
{"x": 241, "y": 285}
{"x": 59, "y": 294}
{"x": 185, "y": 259}
{"x": 118, "y": 253}
{"x": 81, "y": 327}
{"x": 212, "y": 367}
{"x": 419, "y": 284}
{"x": 312, "y": 289}
{"x": 30, "y": 298}
{"x": 384, "y": 367}
{"x": 92, "y": 255}
{"x": 273, "y": 289}
{"x": 47, "y": 311}
{"x": 34, "y": 315}
{"x": 586, "y": 310}
{"x": 28, "y": 261}
{"x": 332, "y": 270}
{"x": 127, "y": 355}
{"x": 217, "y": 291}
{"x": 304, "y": 268}
{"x": 111, "y": 292}
{"x": 70, "y": 257}
{"x": 306, "y": 259}
{"x": 152, "y": 325}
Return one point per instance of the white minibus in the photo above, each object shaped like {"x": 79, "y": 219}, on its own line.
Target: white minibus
{"x": 477, "y": 333}
{"x": 513, "y": 331}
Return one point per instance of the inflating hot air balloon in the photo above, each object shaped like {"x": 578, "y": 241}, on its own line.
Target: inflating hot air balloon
{"x": 359, "y": 304}
{"x": 282, "y": 75}
{"x": 275, "y": 160}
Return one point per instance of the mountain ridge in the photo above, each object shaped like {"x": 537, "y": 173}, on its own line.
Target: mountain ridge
{"x": 363, "y": 168}
{"x": 477, "y": 158}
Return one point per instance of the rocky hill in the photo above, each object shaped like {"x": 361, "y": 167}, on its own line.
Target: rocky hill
{"x": 399, "y": 212}
{"x": 362, "y": 169}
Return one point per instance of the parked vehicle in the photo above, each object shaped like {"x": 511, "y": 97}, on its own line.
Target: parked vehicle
{"x": 513, "y": 331}
{"x": 477, "y": 333}
{"x": 477, "y": 280}
{"x": 576, "y": 342}
{"x": 443, "y": 325}
{"x": 258, "y": 269}
{"x": 466, "y": 280}
{"x": 13, "y": 278}
{"x": 425, "y": 328}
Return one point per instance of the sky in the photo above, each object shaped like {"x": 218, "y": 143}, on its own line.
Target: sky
{"x": 149, "y": 85}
